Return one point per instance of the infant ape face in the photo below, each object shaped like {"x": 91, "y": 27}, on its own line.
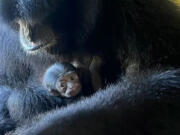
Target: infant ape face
{"x": 61, "y": 79}
{"x": 68, "y": 85}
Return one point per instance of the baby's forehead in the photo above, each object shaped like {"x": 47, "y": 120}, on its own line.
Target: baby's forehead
{"x": 68, "y": 75}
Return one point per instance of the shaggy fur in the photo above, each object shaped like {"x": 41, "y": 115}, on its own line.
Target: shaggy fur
{"x": 147, "y": 104}
{"x": 129, "y": 36}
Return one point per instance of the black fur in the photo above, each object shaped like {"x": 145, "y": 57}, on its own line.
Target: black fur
{"x": 120, "y": 32}
{"x": 148, "y": 104}
{"x": 128, "y": 35}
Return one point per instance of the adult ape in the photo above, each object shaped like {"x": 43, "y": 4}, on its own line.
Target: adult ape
{"x": 124, "y": 35}
{"x": 119, "y": 33}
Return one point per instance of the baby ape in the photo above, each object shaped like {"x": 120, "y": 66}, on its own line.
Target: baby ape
{"x": 127, "y": 37}
{"x": 64, "y": 80}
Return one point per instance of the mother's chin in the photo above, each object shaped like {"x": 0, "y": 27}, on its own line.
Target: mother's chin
{"x": 31, "y": 47}
{"x": 35, "y": 37}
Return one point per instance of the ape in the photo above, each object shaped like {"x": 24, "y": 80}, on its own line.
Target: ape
{"x": 120, "y": 33}
{"x": 64, "y": 80}
{"x": 120, "y": 38}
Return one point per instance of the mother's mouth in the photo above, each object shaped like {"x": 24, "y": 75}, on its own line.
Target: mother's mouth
{"x": 31, "y": 46}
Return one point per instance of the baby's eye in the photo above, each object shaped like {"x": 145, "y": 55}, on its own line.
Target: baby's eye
{"x": 71, "y": 78}
{"x": 62, "y": 85}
